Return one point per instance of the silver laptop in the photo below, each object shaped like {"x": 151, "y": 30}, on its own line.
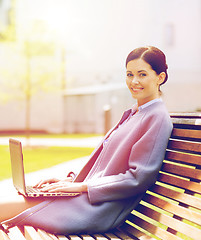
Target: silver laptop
{"x": 18, "y": 176}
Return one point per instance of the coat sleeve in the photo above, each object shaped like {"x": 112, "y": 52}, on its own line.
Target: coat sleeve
{"x": 144, "y": 163}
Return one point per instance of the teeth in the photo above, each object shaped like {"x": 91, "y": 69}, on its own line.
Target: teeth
{"x": 136, "y": 89}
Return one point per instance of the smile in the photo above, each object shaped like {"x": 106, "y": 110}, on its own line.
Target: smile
{"x": 136, "y": 89}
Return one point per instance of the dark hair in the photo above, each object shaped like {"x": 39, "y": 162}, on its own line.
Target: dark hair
{"x": 151, "y": 55}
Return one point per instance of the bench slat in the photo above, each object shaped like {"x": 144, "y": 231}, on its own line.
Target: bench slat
{"x": 184, "y": 145}
{"x": 74, "y": 237}
{"x": 99, "y": 237}
{"x": 169, "y": 221}
{"x": 60, "y": 237}
{"x": 30, "y": 233}
{"x": 111, "y": 236}
{"x": 86, "y": 237}
{"x": 182, "y": 212}
{"x": 136, "y": 233}
{"x": 15, "y": 233}
{"x": 123, "y": 235}
{"x": 52, "y": 236}
{"x": 183, "y": 157}
{"x": 186, "y": 121}
{"x": 178, "y": 196}
{"x": 182, "y": 171}
{"x": 178, "y": 182}
{"x": 44, "y": 235}
{"x": 3, "y": 235}
{"x": 151, "y": 228}
{"x": 185, "y": 114}
{"x": 186, "y": 133}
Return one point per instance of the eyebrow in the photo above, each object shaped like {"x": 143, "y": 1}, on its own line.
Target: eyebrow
{"x": 138, "y": 71}
{"x": 142, "y": 71}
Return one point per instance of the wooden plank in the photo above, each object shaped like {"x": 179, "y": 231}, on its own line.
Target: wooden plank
{"x": 169, "y": 221}
{"x": 44, "y": 235}
{"x": 136, "y": 233}
{"x": 3, "y": 235}
{"x": 86, "y": 237}
{"x": 53, "y": 237}
{"x": 31, "y": 234}
{"x": 174, "y": 209}
{"x": 15, "y": 234}
{"x": 123, "y": 234}
{"x": 155, "y": 230}
{"x": 186, "y": 114}
{"x": 185, "y": 121}
{"x": 99, "y": 237}
{"x": 74, "y": 237}
{"x": 183, "y": 157}
{"x": 178, "y": 196}
{"x": 62, "y": 237}
{"x": 111, "y": 236}
{"x": 181, "y": 171}
{"x": 178, "y": 182}
{"x": 186, "y": 133}
{"x": 184, "y": 145}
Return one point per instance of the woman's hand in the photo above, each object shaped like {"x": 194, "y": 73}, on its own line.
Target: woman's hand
{"x": 65, "y": 186}
{"x": 46, "y": 182}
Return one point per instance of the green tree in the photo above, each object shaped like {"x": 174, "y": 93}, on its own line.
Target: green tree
{"x": 29, "y": 64}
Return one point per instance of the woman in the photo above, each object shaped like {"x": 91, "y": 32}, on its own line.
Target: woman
{"x": 121, "y": 168}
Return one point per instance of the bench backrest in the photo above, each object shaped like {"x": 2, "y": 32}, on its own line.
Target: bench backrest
{"x": 171, "y": 209}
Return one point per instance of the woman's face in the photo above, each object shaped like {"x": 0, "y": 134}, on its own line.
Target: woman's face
{"x": 142, "y": 81}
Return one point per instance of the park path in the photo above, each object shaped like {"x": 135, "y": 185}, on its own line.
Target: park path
{"x": 62, "y": 142}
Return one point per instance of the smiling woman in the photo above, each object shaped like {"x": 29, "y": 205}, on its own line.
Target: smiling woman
{"x": 146, "y": 72}
{"x": 119, "y": 171}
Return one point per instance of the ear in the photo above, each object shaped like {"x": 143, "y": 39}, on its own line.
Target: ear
{"x": 161, "y": 78}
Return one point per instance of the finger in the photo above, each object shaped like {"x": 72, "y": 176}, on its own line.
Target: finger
{"x": 52, "y": 186}
{"x": 59, "y": 189}
{"x": 39, "y": 184}
{"x": 47, "y": 181}
{"x": 60, "y": 186}
{"x": 68, "y": 179}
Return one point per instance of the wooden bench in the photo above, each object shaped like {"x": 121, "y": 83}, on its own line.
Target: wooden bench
{"x": 171, "y": 209}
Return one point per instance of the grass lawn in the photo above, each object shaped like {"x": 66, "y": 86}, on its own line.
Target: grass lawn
{"x": 36, "y": 158}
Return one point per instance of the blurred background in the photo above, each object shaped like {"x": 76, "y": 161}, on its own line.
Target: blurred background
{"x": 62, "y": 62}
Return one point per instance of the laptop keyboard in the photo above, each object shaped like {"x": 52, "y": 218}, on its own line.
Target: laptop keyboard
{"x": 36, "y": 192}
{"x": 31, "y": 189}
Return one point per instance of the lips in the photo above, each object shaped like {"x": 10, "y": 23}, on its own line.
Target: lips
{"x": 136, "y": 89}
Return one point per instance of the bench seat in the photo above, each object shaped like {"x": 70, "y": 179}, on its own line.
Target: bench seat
{"x": 171, "y": 208}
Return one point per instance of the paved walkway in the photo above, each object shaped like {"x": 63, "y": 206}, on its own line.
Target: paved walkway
{"x": 62, "y": 142}
{"x": 59, "y": 171}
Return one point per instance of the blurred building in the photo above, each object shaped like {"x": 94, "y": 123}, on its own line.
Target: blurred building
{"x": 5, "y": 7}
{"x": 90, "y": 75}
{"x": 85, "y": 107}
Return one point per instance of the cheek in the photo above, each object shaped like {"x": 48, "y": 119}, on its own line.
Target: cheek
{"x": 127, "y": 82}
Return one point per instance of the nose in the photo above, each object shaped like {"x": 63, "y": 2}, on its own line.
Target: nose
{"x": 135, "y": 80}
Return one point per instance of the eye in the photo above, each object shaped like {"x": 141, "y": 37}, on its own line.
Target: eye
{"x": 129, "y": 75}
{"x": 143, "y": 74}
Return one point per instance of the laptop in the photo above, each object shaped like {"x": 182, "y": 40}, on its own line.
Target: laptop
{"x": 18, "y": 175}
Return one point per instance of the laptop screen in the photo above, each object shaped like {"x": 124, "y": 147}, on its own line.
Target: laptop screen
{"x": 17, "y": 165}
